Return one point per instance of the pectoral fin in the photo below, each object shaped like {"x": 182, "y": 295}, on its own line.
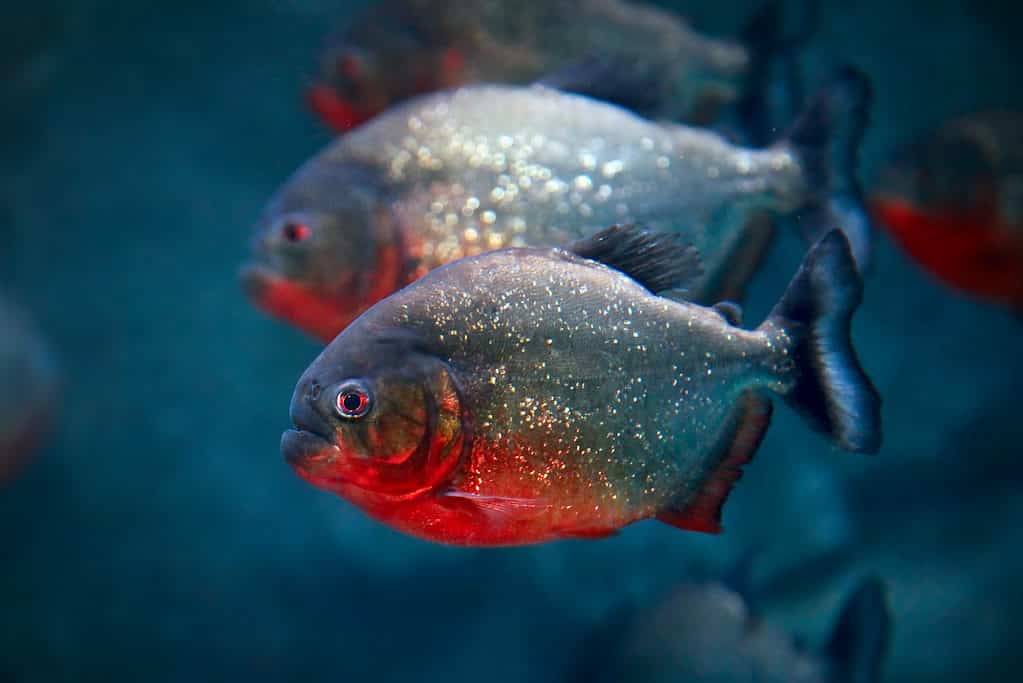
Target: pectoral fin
{"x": 500, "y": 506}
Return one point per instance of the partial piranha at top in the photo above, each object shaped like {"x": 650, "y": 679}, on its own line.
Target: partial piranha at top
{"x": 526, "y": 395}
{"x": 458, "y": 173}
{"x": 632, "y": 53}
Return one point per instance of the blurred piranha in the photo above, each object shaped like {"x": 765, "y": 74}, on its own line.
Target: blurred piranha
{"x": 633, "y": 54}
{"x": 27, "y": 384}
{"x": 525, "y": 395}
{"x": 454, "y": 174}
{"x": 954, "y": 201}
{"x": 707, "y": 632}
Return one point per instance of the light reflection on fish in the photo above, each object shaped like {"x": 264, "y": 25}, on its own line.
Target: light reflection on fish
{"x": 485, "y": 167}
{"x": 526, "y": 395}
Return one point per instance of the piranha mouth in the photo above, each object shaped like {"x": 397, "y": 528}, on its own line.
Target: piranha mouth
{"x": 255, "y": 279}
{"x": 305, "y": 450}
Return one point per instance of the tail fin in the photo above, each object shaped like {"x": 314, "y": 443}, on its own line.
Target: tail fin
{"x": 832, "y": 391}
{"x": 774, "y": 93}
{"x": 826, "y": 138}
{"x": 860, "y": 638}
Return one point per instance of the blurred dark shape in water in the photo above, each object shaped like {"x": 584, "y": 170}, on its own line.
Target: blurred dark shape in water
{"x": 28, "y": 382}
{"x": 458, "y": 173}
{"x": 713, "y": 632}
{"x": 931, "y": 523}
{"x": 630, "y": 53}
{"x": 953, "y": 199}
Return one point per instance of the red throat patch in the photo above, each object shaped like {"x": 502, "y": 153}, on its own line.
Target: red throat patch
{"x": 336, "y": 112}
{"x": 325, "y": 315}
{"x": 969, "y": 251}
{"x": 319, "y": 315}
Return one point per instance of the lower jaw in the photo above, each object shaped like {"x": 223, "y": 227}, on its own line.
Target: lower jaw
{"x": 315, "y": 314}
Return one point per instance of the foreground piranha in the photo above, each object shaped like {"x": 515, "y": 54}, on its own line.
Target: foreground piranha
{"x": 638, "y": 55}
{"x": 27, "y": 384}
{"x": 707, "y": 631}
{"x": 954, "y": 201}
{"x": 526, "y": 395}
{"x": 459, "y": 173}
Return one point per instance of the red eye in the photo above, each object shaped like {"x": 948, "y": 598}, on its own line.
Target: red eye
{"x": 297, "y": 232}
{"x": 353, "y": 401}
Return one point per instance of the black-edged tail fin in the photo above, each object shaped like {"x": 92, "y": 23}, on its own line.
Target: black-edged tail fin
{"x": 859, "y": 640}
{"x": 832, "y": 390}
{"x": 826, "y": 139}
{"x": 774, "y": 91}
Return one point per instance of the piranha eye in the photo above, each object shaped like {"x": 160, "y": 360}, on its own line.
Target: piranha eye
{"x": 297, "y": 232}
{"x": 353, "y": 400}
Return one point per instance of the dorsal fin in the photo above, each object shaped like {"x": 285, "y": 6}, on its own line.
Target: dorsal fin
{"x": 658, "y": 261}
{"x": 703, "y": 511}
{"x": 731, "y": 312}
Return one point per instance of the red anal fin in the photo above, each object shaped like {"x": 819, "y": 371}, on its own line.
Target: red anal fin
{"x": 703, "y": 512}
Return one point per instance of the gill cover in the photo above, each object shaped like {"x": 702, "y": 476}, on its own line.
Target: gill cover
{"x": 413, "y": 438}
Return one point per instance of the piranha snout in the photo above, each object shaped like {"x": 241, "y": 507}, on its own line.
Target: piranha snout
{"x": 314, "y": 438}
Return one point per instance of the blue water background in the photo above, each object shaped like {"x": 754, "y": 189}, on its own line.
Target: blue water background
{"x": 160, "y": 536}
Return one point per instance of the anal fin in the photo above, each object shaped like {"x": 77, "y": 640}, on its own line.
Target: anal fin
{"x": 703, "y": 512}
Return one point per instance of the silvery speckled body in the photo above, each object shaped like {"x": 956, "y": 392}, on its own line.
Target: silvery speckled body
{"x": 491, "y": 166}
{"x": 589, "y": 395}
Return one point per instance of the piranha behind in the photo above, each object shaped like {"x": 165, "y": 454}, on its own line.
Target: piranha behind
{"x": 488, "y": 166}
{"x": 316, "y": 263}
